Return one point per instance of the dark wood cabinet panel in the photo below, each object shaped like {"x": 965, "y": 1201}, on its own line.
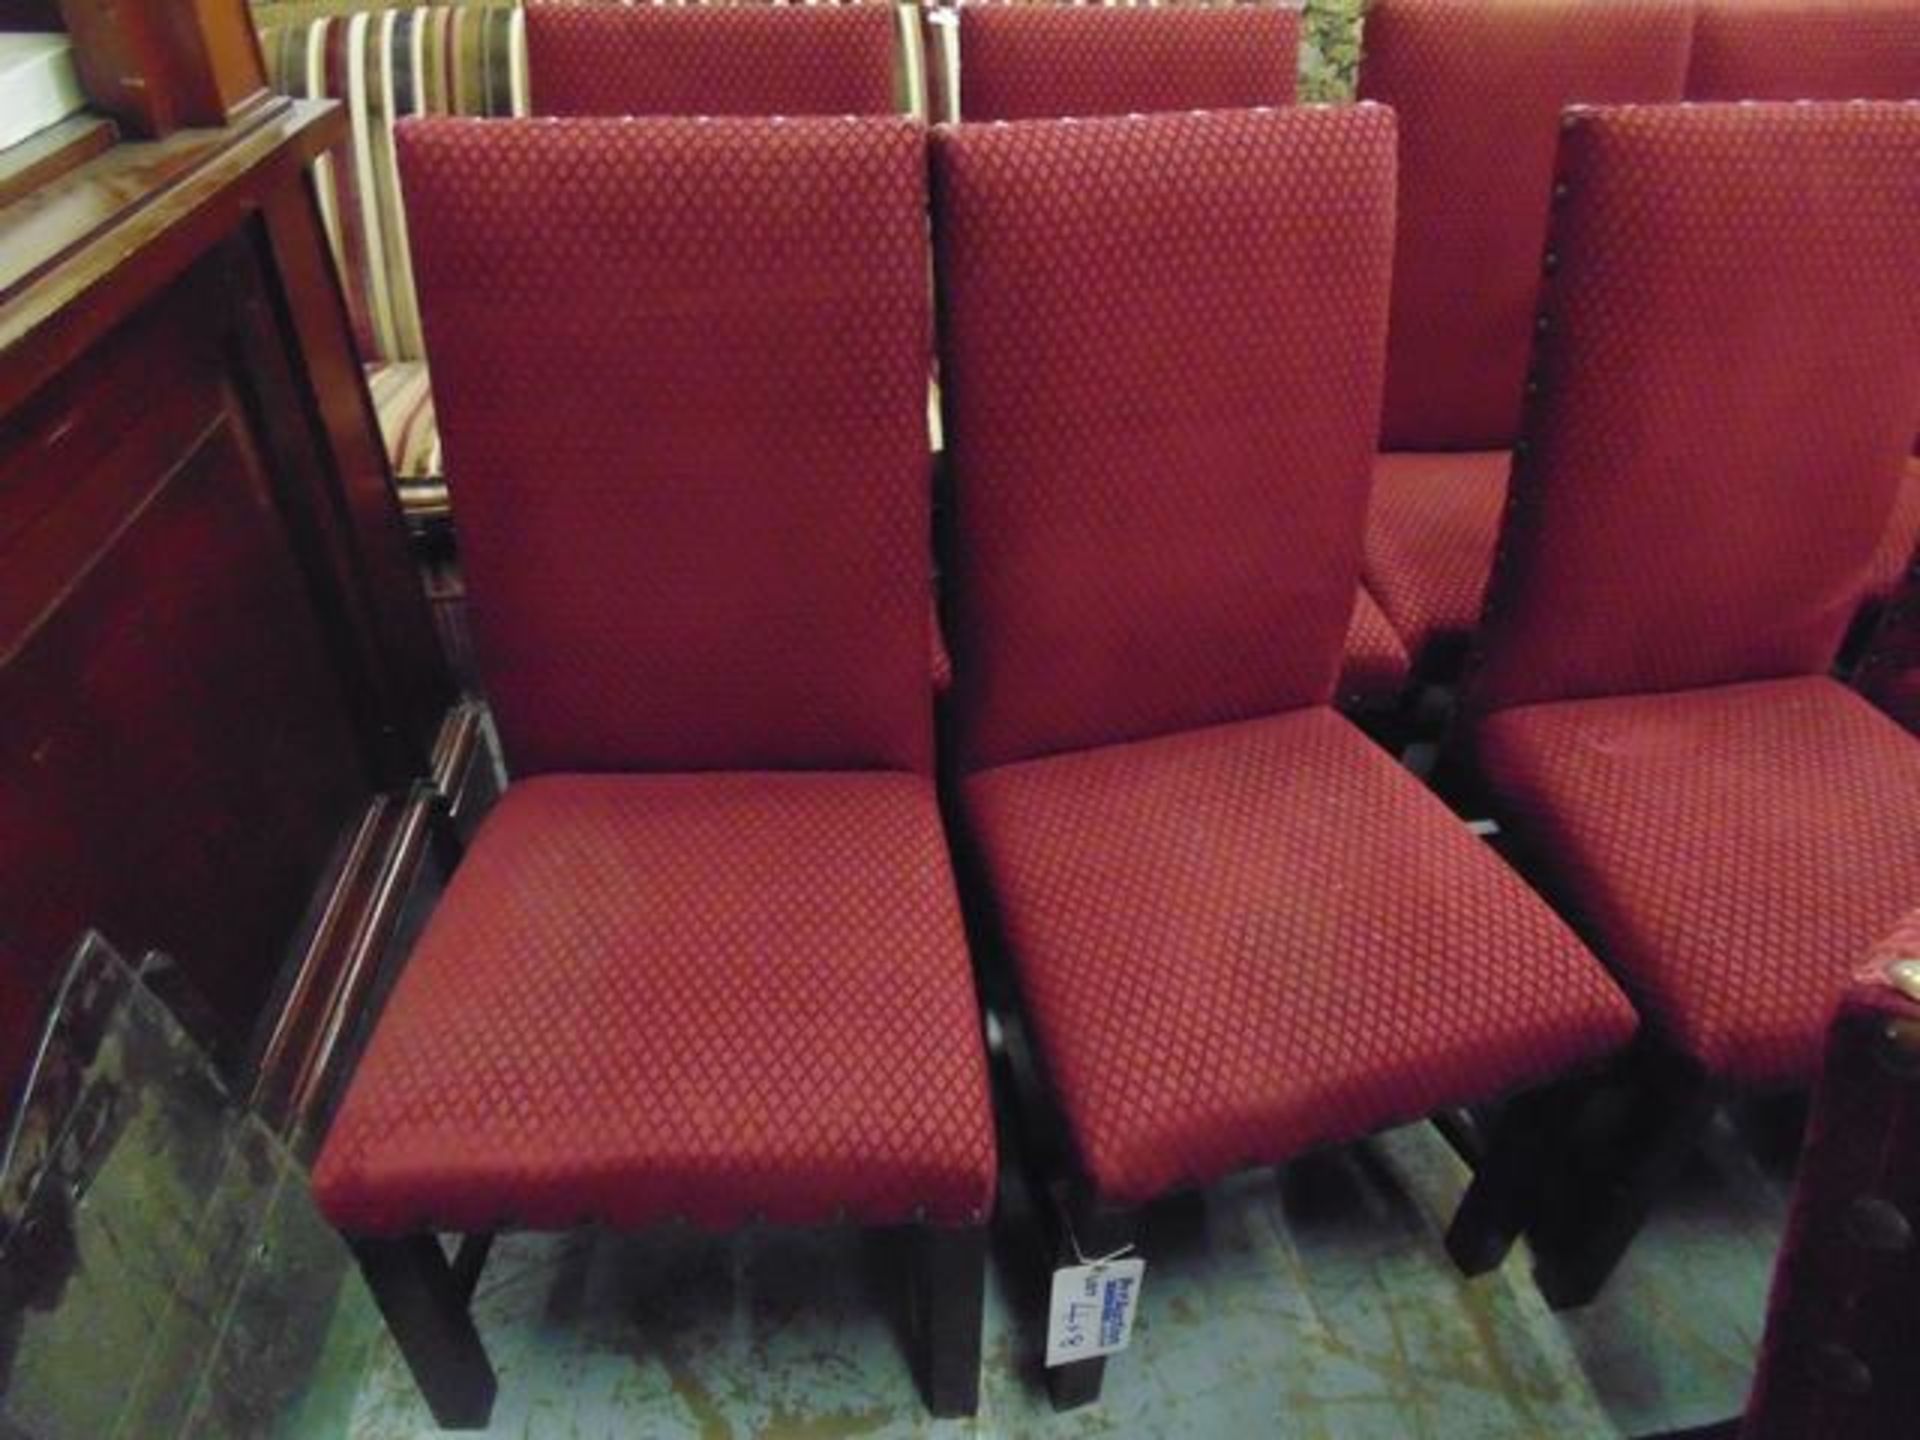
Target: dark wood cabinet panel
{"x": 222, "y": 708}
{"x": 176, "y": 755}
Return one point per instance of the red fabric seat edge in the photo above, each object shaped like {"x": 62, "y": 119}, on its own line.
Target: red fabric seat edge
{"x": 1725, "y": 850}
{"x": 713, "y": 997}
{"x": 1241, "y": 943}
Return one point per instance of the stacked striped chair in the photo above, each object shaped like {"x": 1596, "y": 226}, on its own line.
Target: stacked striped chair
{"x": 383, "y": 65}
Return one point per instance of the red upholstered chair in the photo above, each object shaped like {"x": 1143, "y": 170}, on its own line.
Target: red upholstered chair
{"x": 1027, "y": 62}
{"x": 1239, "y": 930}
{"x": 1837, "y": 1359}
{"x": 1819, "y": 50}
{"x": 1729, "y": 374}
{"x": 861, "y": 59}
{"x": 1009, "y": 62}
{"x": 704, "y": 960}
{"x": 723, "y": 60}
{"x": 1479, "y": 86}
{"x": 1805, "y": 50}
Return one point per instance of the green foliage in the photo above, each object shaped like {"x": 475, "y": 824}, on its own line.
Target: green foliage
{"x": 1330, "y": 49}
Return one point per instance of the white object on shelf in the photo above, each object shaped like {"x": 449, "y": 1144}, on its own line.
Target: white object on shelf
{"x": 38, "y": 85}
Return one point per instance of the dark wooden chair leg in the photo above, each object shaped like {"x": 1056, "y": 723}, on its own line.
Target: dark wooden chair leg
{"x": 1099, "y": 1231}
{"x": 425, "y": 1305}
{"x": 952, "y": 1285}
{"x": 1597, "y": 1203}
{"x": 1525, "y": 1146}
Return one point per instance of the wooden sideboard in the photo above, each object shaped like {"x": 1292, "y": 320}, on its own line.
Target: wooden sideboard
{"x": 224, "y": 716}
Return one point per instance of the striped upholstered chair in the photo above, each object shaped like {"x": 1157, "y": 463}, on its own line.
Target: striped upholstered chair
{"x": 386, "y": 64}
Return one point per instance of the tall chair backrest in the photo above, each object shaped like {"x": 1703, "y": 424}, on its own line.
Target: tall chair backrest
{"x": 724, "y": 60}
{"x": 1020, "y": 62}
{"x": 1805, "y": 50}
{"x": 681, "y": 368}
{"x": 1479, "y": 86}
{"x": 1161, "y": 349}
{"x": 1728, "y": 379}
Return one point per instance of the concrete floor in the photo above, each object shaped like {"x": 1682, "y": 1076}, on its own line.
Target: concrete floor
{"x": 1313, "y": 1303}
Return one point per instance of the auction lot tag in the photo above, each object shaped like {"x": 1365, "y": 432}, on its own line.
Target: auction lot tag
{"x": 1092, "y": 1310}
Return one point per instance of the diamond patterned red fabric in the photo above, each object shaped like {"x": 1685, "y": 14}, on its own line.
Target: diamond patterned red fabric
{"x": 1374, "y": 667}
{"x": 1805, "y": 50}
{"x": 1479, "y": 88}
{"x": 1718, "y": 265}
{"x": 1020, "y": 62}
{"x": 1241, "y": 943}
{"x": 681, "y": 374}
{"x": 1161, "y": 348}
{"x": 711, "y": 59}
{"x": 1817, "y": 50}
{"x": 1432, "y": 525}
{"x": 709, "y": 996}
{"x": 1731, "y": 852}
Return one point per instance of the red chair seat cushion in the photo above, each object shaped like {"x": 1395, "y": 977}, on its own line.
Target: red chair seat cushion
{"x": 1432, "y": 525}
{"x": 1240, "y": 943}
{"x": 1374, "y": 668}
{"x": 702, "y": 996}
{"x": 1731, "y": 852}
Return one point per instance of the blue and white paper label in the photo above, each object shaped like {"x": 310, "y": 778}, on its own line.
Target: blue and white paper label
{"x": 1092, "y": 1310}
